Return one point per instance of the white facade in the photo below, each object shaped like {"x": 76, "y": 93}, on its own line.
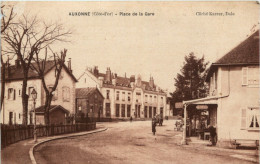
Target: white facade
{"x": 12, "y": 106}
{"x": 125, "y": 101}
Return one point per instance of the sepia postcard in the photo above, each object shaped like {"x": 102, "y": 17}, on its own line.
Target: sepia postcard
{"x": 129, "y": 82}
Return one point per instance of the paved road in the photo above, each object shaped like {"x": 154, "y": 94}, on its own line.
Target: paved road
{"x": 127, "y": 142}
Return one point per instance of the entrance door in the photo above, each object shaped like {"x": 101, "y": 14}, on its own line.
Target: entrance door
{"x": 128, "y": 110}
{"x": 145, "y": 112}
{"x": 107, "y": 109}
{"x": 154, "y": 111}
{"x": 150, "y": 112}
{"x": 10, "y": 118}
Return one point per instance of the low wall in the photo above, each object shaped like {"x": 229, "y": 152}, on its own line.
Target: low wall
{"x": 14, "y": 133}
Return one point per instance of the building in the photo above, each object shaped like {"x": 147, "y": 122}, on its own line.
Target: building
{"x": 233, "y": 102}
{"x": 125, "y": 97}
{"x": 64, "y": 95}
{"x": 89, "y": 102}
{"x": 169, "y": 107}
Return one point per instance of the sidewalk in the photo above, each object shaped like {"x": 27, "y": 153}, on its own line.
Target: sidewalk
{"x": 22, "y": 152}
{"x": 248, "y": 155}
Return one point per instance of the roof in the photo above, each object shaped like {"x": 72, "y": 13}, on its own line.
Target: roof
{"x": 246, "y": 53}
{"x": 125, "y": 82}
{"x": 16, "y": 73}
{"x": 86, "y": 92}
{"x": 52, "y": 108}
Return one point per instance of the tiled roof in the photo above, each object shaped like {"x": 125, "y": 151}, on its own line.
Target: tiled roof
{"x": 245, "y": 53}
{"x": 52, "y": 107}
{"x": 16, "y": 73}
{"x": 84, "y": 92}
{"x": 125, "y": 82}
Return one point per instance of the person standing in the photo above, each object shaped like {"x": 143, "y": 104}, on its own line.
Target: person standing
{"x": 154, "y": 125}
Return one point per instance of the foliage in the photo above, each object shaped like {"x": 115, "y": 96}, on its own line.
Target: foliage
{"x": 190, "y": 82}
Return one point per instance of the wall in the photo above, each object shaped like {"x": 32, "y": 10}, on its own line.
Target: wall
{"x": 64, "y": 81}
{"x": 15, "y": 106}
{"x": 57, "y": 116}
{"x": 96, "y": 105}
{"x": 229, "y": 108}
{"x": 92, "y": 81}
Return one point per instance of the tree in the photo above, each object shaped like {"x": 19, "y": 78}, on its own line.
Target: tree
{"x": 40, "y": 68}
{"x": 26, "y": 38}
{"x": 190, "y": 82}
{"x": 6, "y": 21}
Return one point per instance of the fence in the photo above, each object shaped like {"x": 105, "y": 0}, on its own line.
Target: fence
{"x": 14, "y": 133}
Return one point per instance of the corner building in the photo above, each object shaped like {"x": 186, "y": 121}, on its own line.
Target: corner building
{"x": 125, "y": 97}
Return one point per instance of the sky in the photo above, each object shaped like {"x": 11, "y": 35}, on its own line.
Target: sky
{"x": 146, "y": 45}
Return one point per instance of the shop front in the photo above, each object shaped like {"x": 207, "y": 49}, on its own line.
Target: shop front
{"x": 200, "y": 118}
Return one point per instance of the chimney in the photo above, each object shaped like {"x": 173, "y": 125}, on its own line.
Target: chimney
{"x": 132, "y": 80}
{"x": 69, "y": 65}
{"x": 151, "y": 82}
{"x": 125, "y": 74}
{"x": 115, "y": 75}
{"x": 96, "y": 72}
{"x": 108, "y": 74}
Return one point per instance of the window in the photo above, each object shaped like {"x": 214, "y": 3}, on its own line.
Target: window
{"x": 253, "y": 75}
{"x": 117, "y": 95}
{"x": 161, "y": 100}
{"x": 155, "y": 99}
{"x": 138, "y": 97}
{"x": 145, "y": 98}
{"x": 108, "y": 94}
{"x": 55, "y": 93}
{"x": 11, "y": 94}
{"x": 19, "y": 92}
{"x": 129, "y": 96}
{"x": 250, "y": 118}
{"x": 151, "y": 99}
{"x": 123, "y": 96}
{"x": 250, "y": 76}
{"x": 66, "y": 94}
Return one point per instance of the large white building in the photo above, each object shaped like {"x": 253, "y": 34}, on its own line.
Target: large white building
{"x": 64, "y": 97}
{"x": 125, "y": 97}
{"x": 233, "y": 101}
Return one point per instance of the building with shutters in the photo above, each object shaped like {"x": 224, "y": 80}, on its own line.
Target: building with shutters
{"x": 233, "y": 101}
{"x": 125, "y": 97}
{"x": 63, "y": 102}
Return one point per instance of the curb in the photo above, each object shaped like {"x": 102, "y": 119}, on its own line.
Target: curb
{"x": 61, "y": 137}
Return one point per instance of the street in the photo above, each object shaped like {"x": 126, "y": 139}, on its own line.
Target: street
{"x": 126, "y": 142}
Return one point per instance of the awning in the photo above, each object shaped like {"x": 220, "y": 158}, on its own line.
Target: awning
{"x": 203, "y": 101}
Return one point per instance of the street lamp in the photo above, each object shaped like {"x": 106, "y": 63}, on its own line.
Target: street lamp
{"x": 34, "y": 97}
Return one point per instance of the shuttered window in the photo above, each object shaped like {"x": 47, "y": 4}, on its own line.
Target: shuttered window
{"x": 253, "y": 75}
{"x": 243, "y": 118}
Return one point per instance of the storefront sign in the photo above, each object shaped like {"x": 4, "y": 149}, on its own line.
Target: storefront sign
{"x": 179, "y": 105}
{"x": 202, "y": 107}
